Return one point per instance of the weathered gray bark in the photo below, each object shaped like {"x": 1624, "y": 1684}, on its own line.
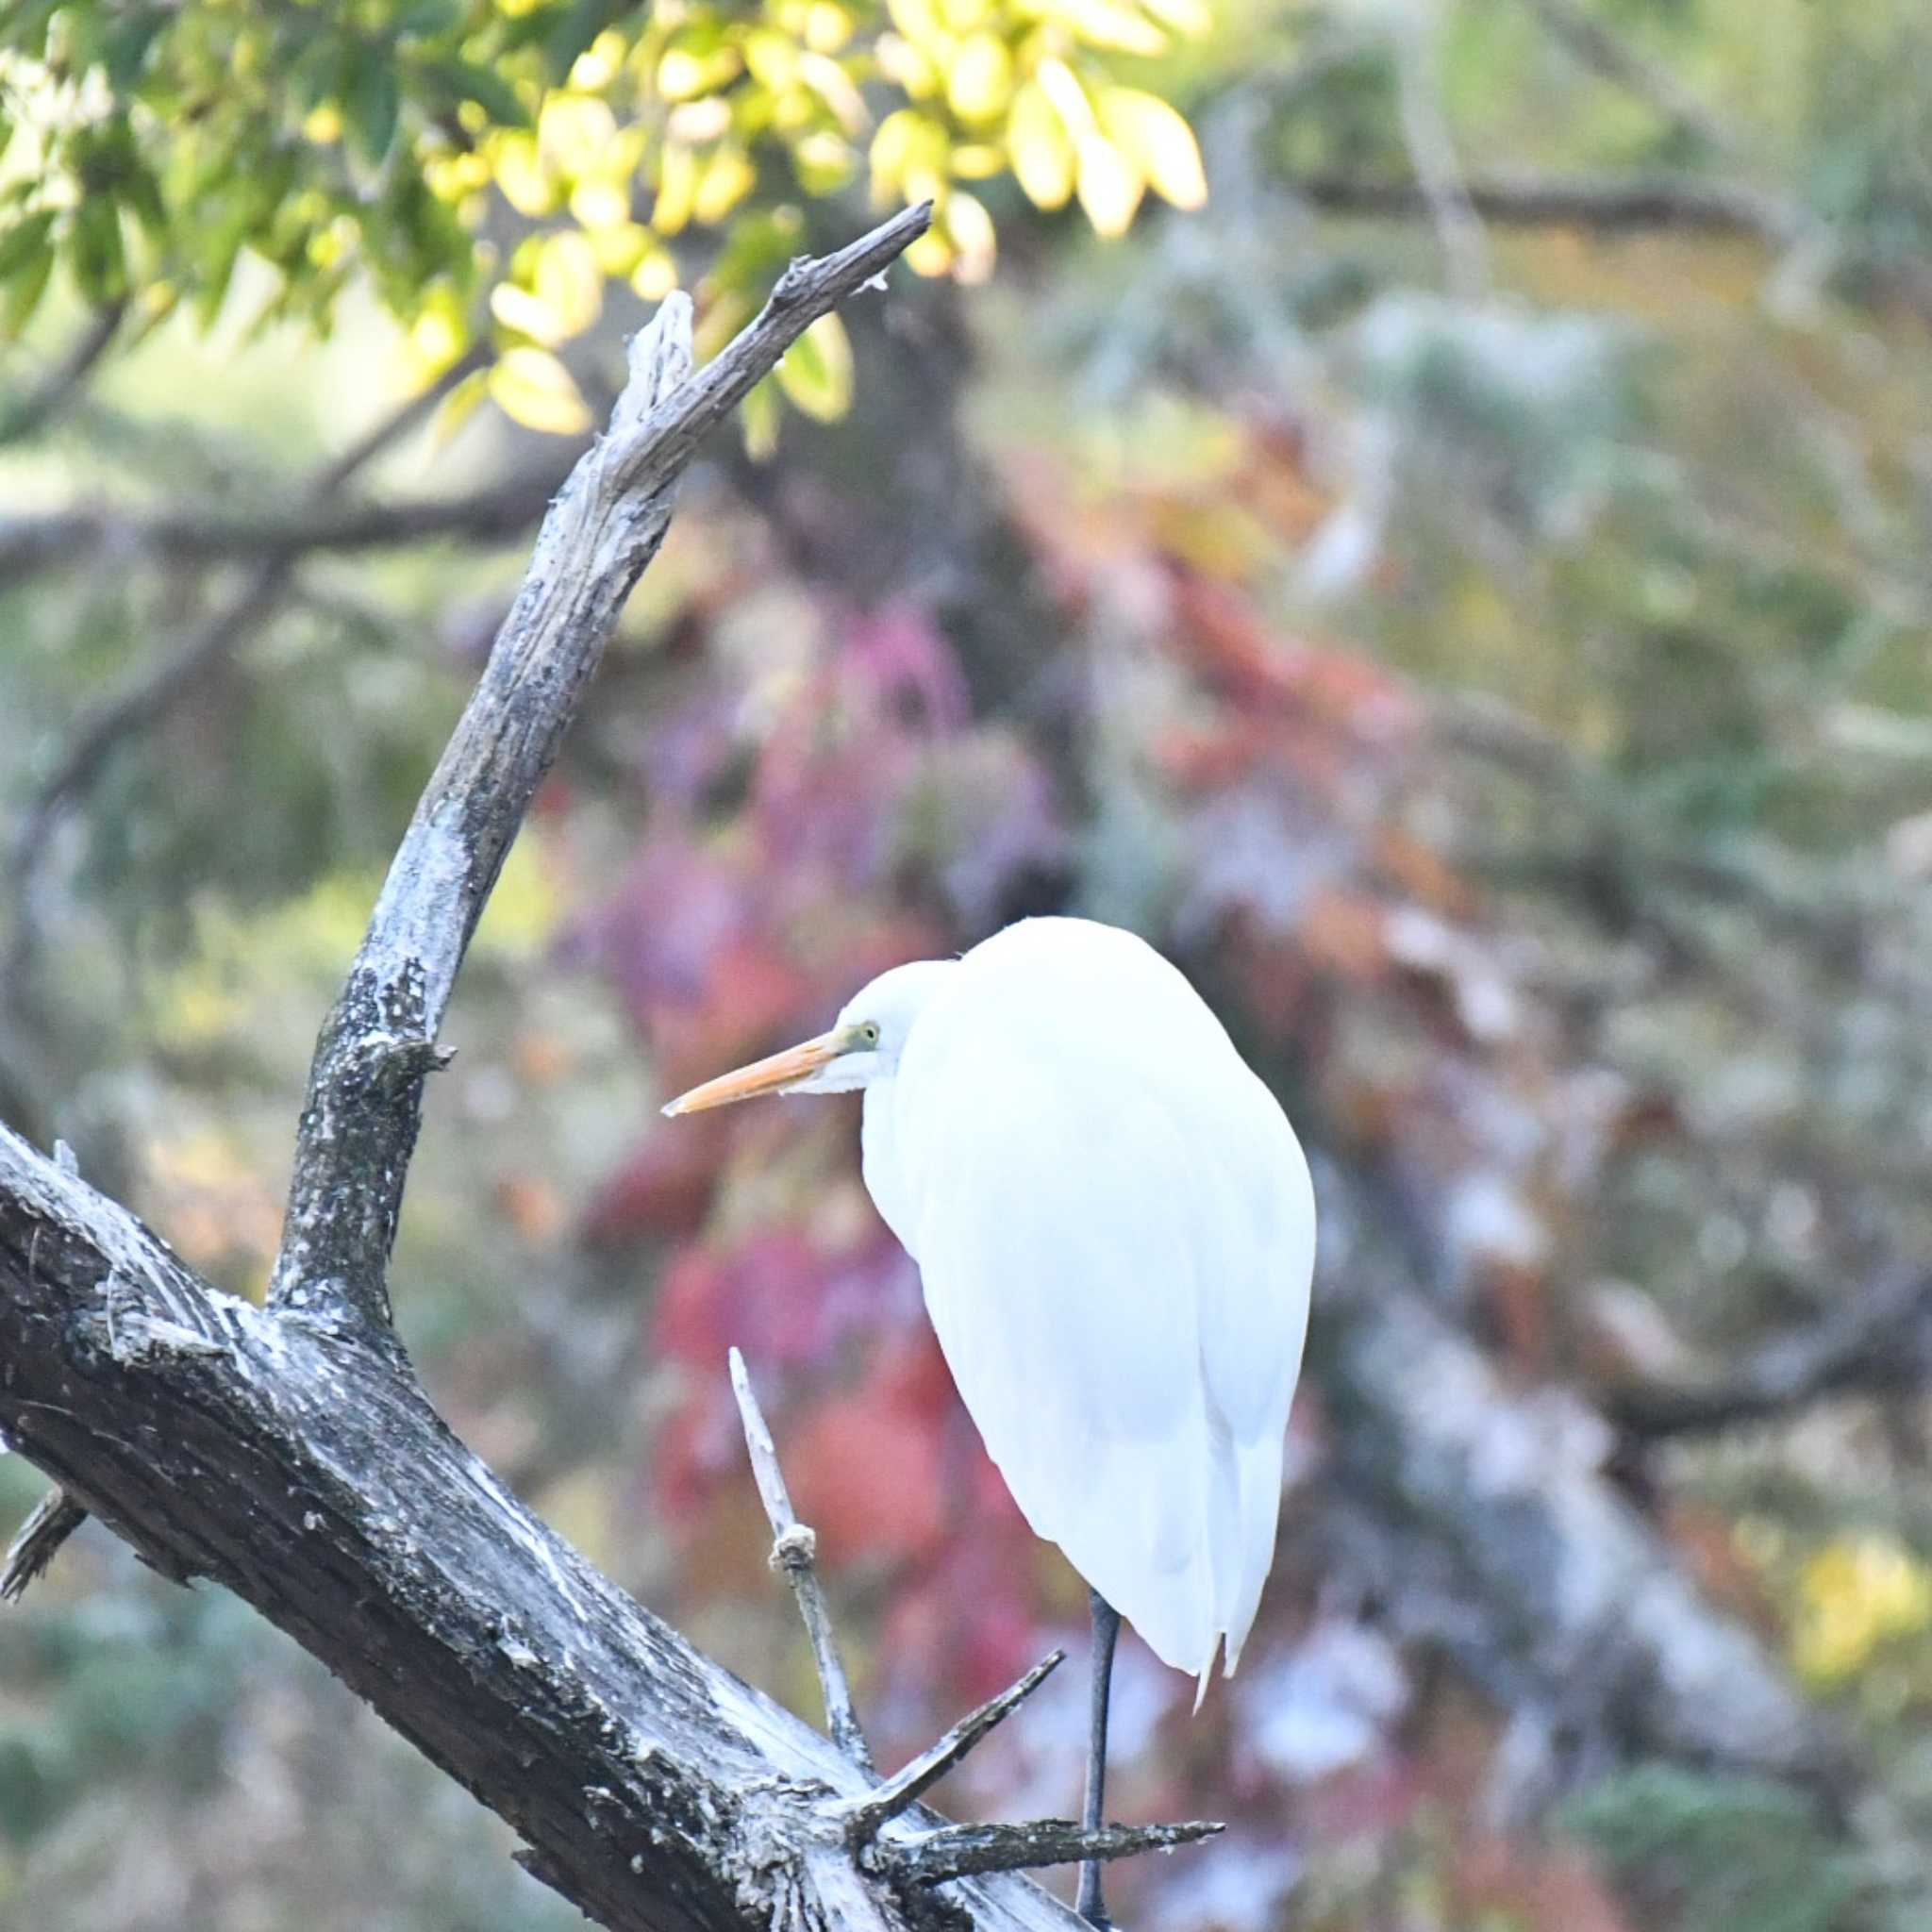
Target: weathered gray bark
{"x": 290, "y": 1455}
{"x": 304, "y": 1468}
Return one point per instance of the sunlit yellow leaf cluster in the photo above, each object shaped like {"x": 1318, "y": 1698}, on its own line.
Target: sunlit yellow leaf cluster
{"x": 1854, "y": 1595}
{"x": 709, "y": 118}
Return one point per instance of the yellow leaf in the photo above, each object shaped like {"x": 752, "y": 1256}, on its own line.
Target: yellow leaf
{"x": 910, "y": 157}
{"x": 816, "y": 370}
{"x": 979, "y": 80}
{"x": 827, "y": 26}
{"x": 569, "y": 282}
{"x": 835, "y": 88}
{"x": 931, "y": 254}
{"x": 678, "y": 187}
{"x": 1041, "y": 154}
{"x": 533, "y": 387}
{"x": 978, "y": 161}
{"x": 970, "y": 228}
{"x": 1109, "y": 188}
{"x": 913, "y": 72}
{"x": 526, "y": 178}
{"x": 824, "y": 163}
{"x": 771, "y": 59}
{"x": 758, "y": 416}
{"x": 620, "y": 247}
{"x": 1061, "y": 86}
{"x": 917, "y": 20}
{"x": 1115, "y": 24}
{"x": 574, "y": 132}
{"x": 683, "y": 74}
{"x": 1158, "y": 141}
{"x": 728, "y": 177}
{"x": 437, "y": 337}
{"x": 595, "y": 205}
{"x": 520, "y": 310}
{"x": 600, "y": 64}
{"x": 656, "y": 276}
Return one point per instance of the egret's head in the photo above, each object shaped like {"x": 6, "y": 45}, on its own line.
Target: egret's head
{"x": 863, "y": 1047}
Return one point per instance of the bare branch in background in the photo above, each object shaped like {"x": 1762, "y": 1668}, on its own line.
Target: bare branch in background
{"x": 1880, "y": 1345}
{"x": 68, "y": 377}
{"x": 1524, "y": 197}
{"x": 793, "y": 1551}
{"x": 1432, "y": 153}
{"x": 1604, "y": 52}
{"x": 491, "y": 513}
{"x": 147, "y": 698}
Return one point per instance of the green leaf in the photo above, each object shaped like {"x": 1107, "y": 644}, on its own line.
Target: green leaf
{"x": 99, "y": 259}
{"x": 428, "y": 18}
{"x": 123, "y": 51}
{"x": 24, "y": 243}
{"x": 467, "y": 81}
{"x": 757, "y": 418}
{"x": 816, "y": 372}
{"x": 372, "y": 105}
{"x": 24, "y": 288}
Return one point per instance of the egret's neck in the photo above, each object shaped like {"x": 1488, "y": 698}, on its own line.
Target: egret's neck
{"x": 880, "y": 1158}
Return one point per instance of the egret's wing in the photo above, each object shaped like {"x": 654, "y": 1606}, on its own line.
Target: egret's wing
{"x": 1059, "y": 1277}
{"x": 1254, "y": 1316}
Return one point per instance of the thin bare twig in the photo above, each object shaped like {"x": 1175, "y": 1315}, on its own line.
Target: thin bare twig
{"x": 793, "y": 1550}
{"x": 53, "y": 1520}
{"x": 864, "y": 1817}
{"x": 960, "y": 1851}
{"x": 1432, "y": 152}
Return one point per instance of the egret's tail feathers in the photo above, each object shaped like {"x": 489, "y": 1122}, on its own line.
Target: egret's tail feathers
{"x": 1206, "y": 1676}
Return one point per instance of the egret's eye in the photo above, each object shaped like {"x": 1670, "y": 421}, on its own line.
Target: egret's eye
{"x": 869, "y": 1033}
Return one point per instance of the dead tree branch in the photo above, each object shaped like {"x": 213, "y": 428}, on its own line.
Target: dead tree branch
{"x": 309, "y": 1475}
{"x": 289, "y": 1452}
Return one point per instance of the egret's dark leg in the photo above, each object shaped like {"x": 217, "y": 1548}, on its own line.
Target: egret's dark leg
{"x": 1107, "y": 1626}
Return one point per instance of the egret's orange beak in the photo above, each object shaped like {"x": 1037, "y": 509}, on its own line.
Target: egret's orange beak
{"x": 773, "y": 1075}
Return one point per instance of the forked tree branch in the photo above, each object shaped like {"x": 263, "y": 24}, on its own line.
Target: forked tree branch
{"x": 359, "y": 1124}
{"x": 290, "y": 1453}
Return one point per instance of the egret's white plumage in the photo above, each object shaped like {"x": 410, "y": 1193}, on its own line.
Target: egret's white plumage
{"x": 1115, "y": 1228}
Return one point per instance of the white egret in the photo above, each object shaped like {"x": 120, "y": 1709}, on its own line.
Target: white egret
{"x": 1115, "y": 1229}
